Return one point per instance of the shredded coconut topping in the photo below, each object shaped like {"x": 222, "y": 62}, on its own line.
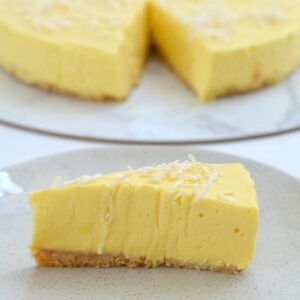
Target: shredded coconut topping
{"x": 182, "y": 176}
{"x": 100, "y": 248}
{"x": 54, "y": 15}
{"x": 189, "y": 176}
{"x": 121, "y": 178}
{"x": 85, "y": 179}
{"x": 107, "y": 217}
{"x": 192, "y": 158}
{"x": 57, "y": 183}
{"x": 212, "y": 177}
{"x": 226, "y": 196}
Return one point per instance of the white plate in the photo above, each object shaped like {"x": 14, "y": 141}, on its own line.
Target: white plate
{"x": 273, "y": 274}
{"x": 160, "y": 110}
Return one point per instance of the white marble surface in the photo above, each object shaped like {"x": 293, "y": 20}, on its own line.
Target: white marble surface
{"x": 160, "y": 109}
{"x": 281, "y": 151}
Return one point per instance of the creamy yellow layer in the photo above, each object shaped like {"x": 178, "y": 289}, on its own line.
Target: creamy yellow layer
{"x": 92, "y": 49}
{"x": 229, "y": 46}
{"x": 187, "y": 211}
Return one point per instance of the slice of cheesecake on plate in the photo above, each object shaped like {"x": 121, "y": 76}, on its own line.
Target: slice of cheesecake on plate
{"x": 182, "y": 214}
{"x": 88, "y": 49}
{"x": 222, "y": 47}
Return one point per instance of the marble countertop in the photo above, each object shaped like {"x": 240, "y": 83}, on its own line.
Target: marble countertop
{"x": 281, "y": 151}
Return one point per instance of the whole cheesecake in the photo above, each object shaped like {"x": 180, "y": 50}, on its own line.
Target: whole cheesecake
{"x": 182, "y": 214}
{"x": 96, "y": 49}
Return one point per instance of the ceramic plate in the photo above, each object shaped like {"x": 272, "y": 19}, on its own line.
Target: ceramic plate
{"x": 160, "y": 110}
{"x": 273, "y": 274}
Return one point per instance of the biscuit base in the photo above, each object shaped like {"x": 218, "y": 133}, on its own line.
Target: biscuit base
{"x": 58, "y": 258}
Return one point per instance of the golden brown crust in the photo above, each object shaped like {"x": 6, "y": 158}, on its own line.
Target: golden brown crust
{"x": 56, "y": 258}
{"x": 59, "y": 91}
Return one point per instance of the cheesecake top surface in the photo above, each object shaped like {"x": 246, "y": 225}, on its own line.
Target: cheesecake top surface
{"x": 102, "y": 23}
{"x": 223, "y": 24}
{"x": 189, "y": 180}
{"x": 90, "y": 23}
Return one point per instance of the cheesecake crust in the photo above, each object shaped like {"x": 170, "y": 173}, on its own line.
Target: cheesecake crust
{"x": 58, "y": 258}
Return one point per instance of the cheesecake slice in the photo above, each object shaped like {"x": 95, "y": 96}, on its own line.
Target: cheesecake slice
{"x": 222, "y": 47}
{"x": 182, "y": 214}
{"x": 91, "y": 49}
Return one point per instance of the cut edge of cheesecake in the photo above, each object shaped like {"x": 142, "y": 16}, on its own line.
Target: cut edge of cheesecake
{"x": 72, "y": 259}
{"x": 230, "y": 91}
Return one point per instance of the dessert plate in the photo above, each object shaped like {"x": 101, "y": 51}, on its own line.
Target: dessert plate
{"x": 160, "y": 110}
{"x": 273, "y": 274}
